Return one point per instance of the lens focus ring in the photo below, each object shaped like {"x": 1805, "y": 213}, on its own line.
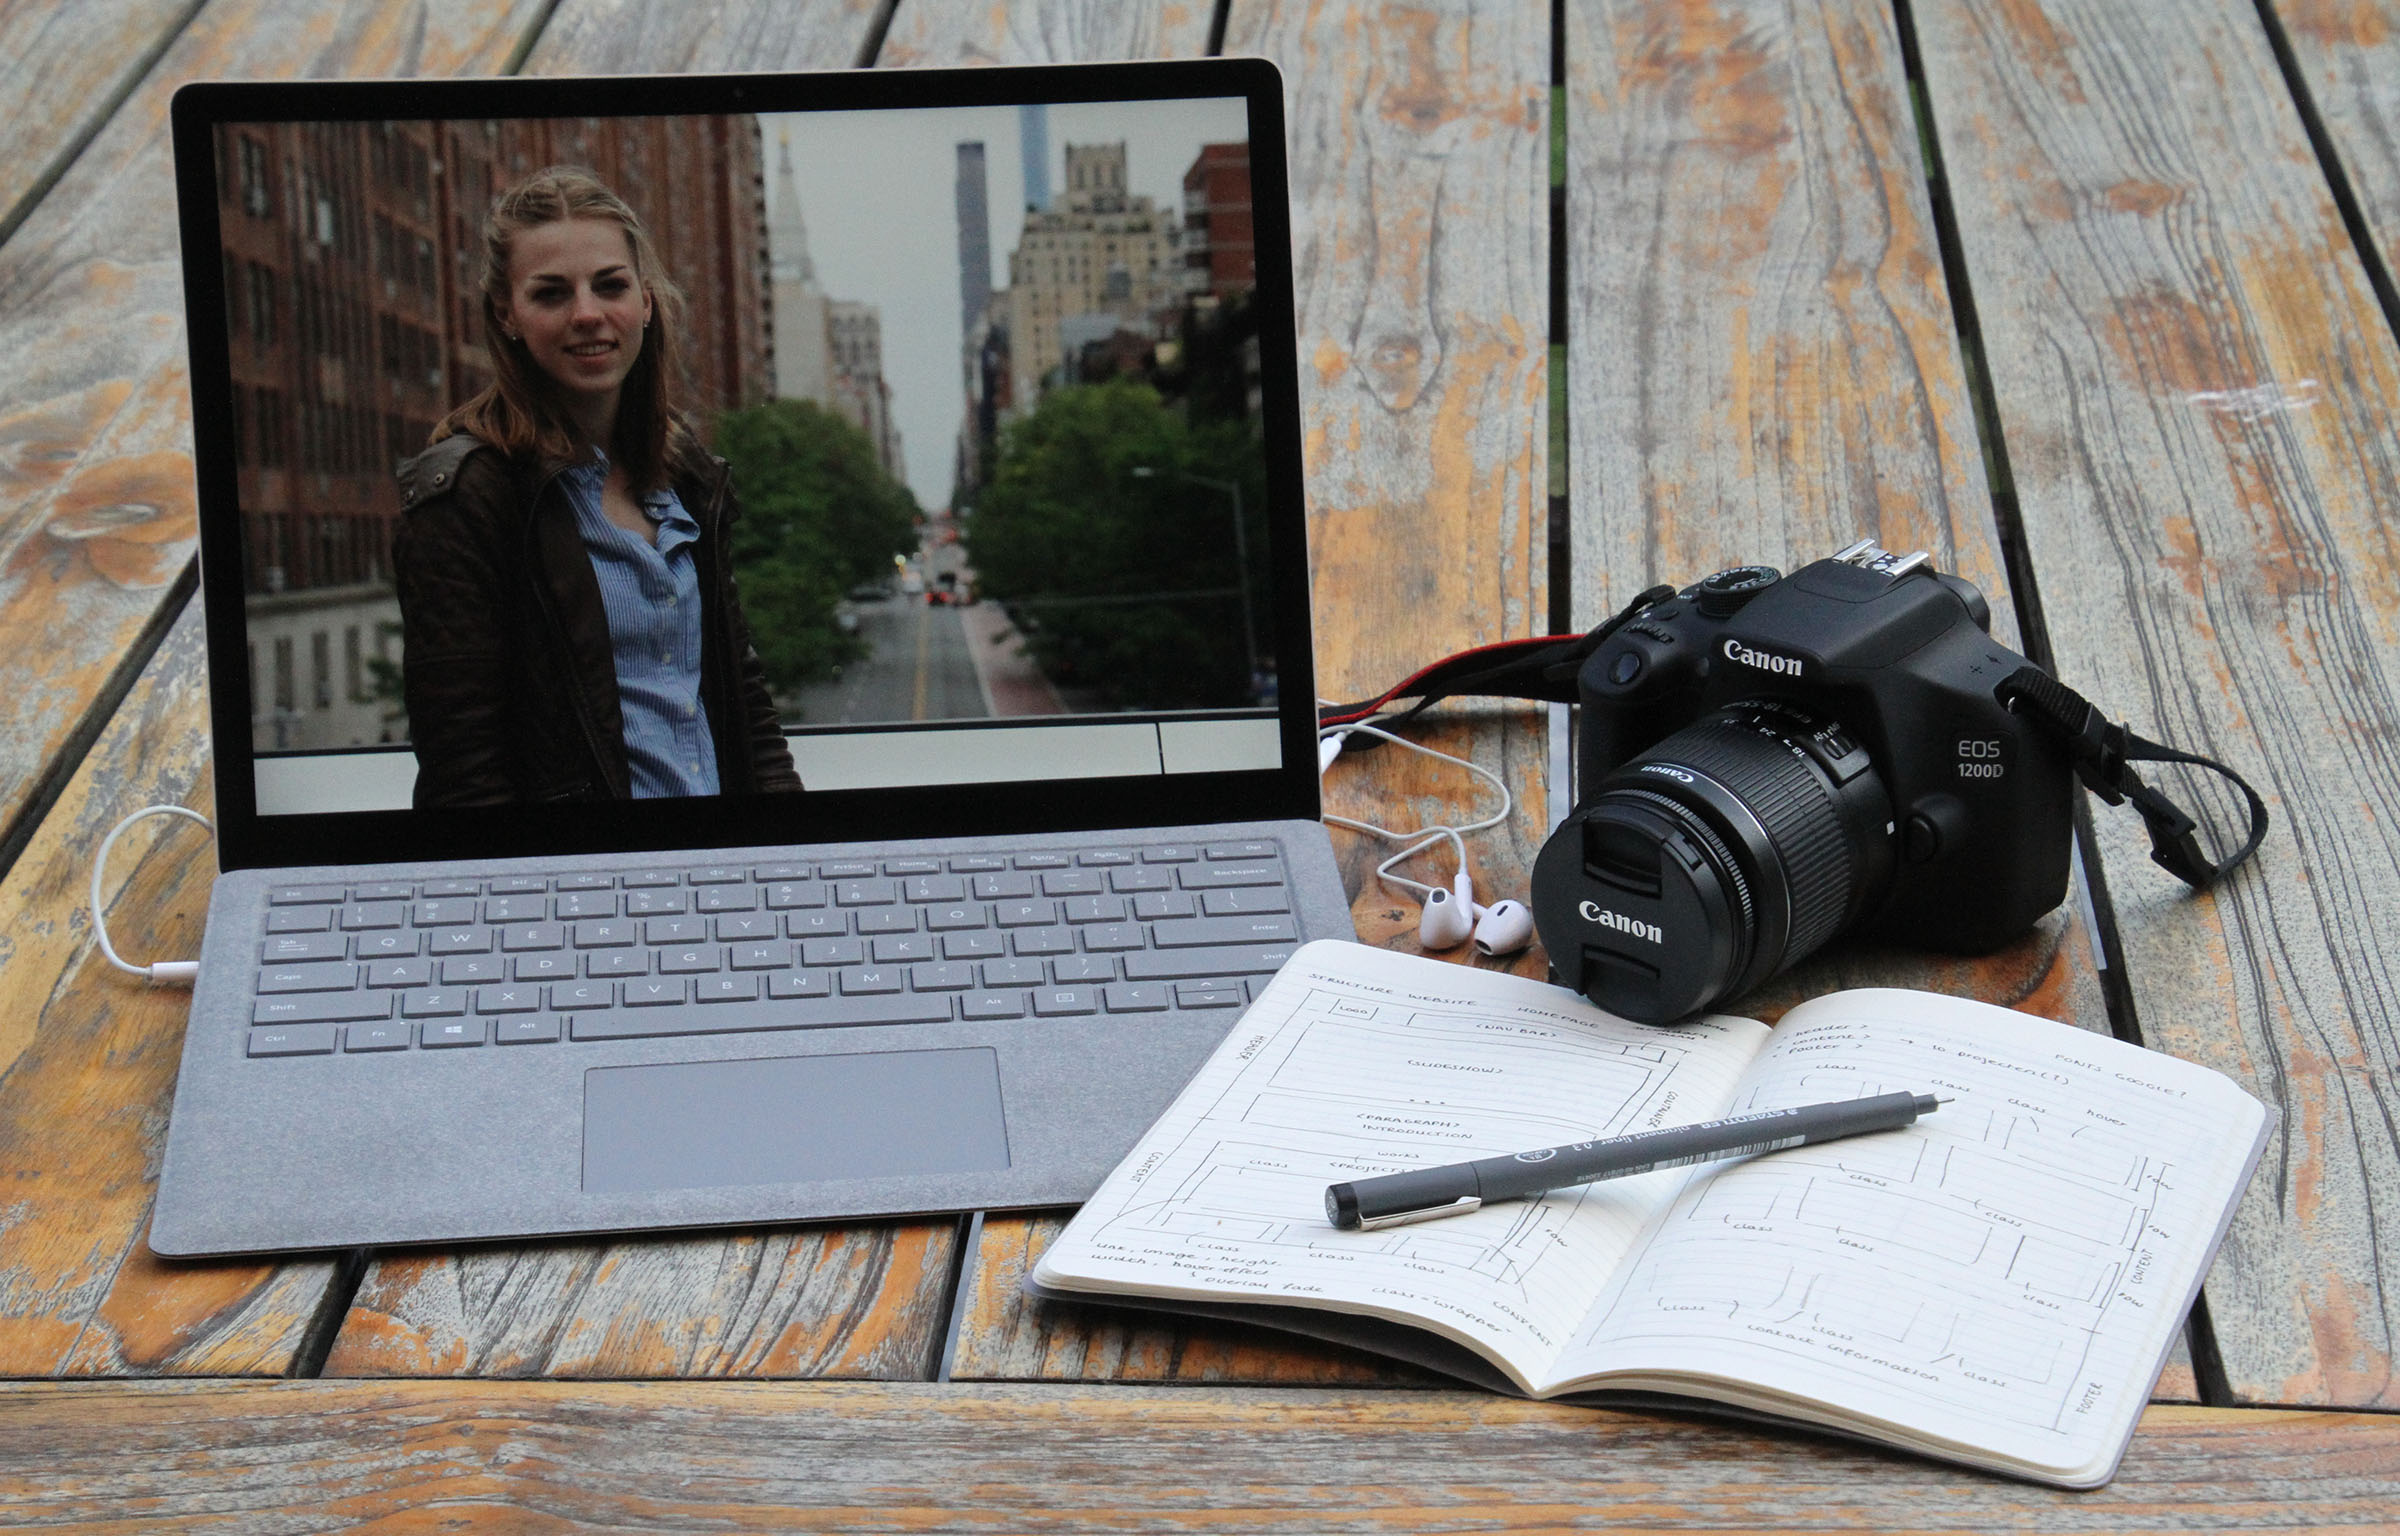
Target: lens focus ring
{"x": 1794, "y": 803}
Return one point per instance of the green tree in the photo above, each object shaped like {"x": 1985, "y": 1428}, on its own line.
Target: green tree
{"x": 820, "y": 514}
{"x": 1102, "y": 531}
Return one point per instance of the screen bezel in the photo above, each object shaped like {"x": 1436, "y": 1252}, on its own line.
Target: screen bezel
{"x": 247, "y": 839}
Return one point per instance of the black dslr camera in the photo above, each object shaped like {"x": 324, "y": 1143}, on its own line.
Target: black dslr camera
{"x": 1768, "y": 761}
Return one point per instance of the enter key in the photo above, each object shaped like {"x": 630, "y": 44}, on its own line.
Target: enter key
{"x": 1193, "y": 932}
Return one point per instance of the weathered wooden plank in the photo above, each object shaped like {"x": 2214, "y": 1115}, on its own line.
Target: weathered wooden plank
{"x": 63, "y": 69}
{"x": 865, "y": 1300}
{"x": 794, "y": 1456}
{"x": 87, "y": 1069}
{"x": 940, "y": 32}
{"x": 1419, "y": 148}
{"x": 2348, "y": 52}
{"x": 2199, "y": 399}
{"x": 1761, "y": 361}
{"x": 96, "y": 514}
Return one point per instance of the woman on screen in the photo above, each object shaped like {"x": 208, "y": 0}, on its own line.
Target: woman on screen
{"x": 567, "y": 603}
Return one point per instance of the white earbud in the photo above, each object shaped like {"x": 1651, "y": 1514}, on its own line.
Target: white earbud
{"x": 1503, "y": 928}
{"x": 1449, "y": 915}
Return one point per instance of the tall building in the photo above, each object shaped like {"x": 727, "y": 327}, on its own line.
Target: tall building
{"x": 974, "y": 238}
{"x": 860, "y": 394}
{"x": 1095, "y": 254}
{"x": 1033, "y": 149}
{"x": 1220, "y": 249}
{"x": 353, "y": 257}
{"x": 803, "y": 350}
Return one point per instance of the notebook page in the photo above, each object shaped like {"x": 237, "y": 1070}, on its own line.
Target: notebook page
{"x": 1358, "y": 1061}
{"x": 2007, "y": 1273}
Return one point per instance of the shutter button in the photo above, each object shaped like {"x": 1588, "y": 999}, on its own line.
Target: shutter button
{"x": 1626, "y": 667}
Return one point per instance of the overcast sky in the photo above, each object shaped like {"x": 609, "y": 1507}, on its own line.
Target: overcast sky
{"x": 879, "y": 193}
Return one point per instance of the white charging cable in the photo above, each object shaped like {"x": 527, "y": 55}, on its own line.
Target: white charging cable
{"x": 172, "y": 973}
{"x": 1449, "y": 913}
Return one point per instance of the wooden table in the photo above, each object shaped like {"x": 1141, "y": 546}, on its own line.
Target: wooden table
{"x": 2093, "y": 299}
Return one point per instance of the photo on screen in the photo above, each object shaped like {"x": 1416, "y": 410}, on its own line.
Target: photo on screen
{"x": 984, "y": 382}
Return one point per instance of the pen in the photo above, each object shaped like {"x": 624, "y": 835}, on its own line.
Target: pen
{"x": 1425, "y": 1193}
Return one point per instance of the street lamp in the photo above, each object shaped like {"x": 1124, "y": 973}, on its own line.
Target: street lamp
{"x": 1241, "y": 555}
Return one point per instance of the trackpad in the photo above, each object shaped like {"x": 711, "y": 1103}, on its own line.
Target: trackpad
{"x": 792, "y": 1119}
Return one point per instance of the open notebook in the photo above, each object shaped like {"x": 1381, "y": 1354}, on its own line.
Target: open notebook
{"x": 1998, "y": 1284}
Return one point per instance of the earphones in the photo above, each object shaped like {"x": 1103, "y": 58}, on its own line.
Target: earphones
{"x": 177, "y": 973}
{"x": 1451, "y": 915}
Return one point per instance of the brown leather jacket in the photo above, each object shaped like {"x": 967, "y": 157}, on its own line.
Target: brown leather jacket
{"x": 509, "y": 676}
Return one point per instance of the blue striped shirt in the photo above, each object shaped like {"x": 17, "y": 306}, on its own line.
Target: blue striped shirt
{"x": 652, "y": 596}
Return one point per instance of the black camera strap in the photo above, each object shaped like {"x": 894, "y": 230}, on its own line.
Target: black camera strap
{"x": 1544, "y": 668}
{"x": 2104, "y": 755}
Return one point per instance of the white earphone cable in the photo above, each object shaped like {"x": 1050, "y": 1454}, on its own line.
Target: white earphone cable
{"x": 168, "y": 972}
{"x": 1421, "y": 838}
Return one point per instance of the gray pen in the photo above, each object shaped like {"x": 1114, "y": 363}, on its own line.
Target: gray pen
{"x": 1456, "y": 1188}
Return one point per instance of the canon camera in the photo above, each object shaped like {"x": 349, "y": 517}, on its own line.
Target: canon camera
{"x": 1769, "y": 760}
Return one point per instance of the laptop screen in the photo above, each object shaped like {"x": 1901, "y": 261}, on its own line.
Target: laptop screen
{"x": 569, "y": 452}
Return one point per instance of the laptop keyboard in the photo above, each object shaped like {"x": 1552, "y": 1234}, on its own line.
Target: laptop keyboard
{"x": 533, "y": 959}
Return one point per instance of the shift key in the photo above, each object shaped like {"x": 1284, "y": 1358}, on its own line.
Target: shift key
{"x": 1210, "y": 960}
{"x": 322, "y": 1008}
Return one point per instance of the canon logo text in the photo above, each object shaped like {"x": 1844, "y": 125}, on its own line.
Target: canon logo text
{"x": 1593, "y": 912}
{"x": 1781, "y": 666}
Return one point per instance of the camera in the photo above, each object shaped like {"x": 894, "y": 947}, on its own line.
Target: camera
{"x": 1768, "y": 761}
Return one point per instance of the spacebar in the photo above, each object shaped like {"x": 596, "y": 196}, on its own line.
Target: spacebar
{"x": 731, "y": 1018}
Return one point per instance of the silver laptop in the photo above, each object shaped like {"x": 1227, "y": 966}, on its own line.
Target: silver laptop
{"x": 594, "y": 860}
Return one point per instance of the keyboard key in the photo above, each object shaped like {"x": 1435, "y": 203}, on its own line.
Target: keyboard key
{"x": 651, "y": 879}
{"x": 322, "y": 1008}
{"x": 870, "y": 981}
{"x": 1013, "y": 973}
{"x": 727, "y": 898}
{"x": 655, "y": 993}
{"x": 900, "y": 948}
{"x": 718, "y": 874}
{"x": 809, "y": 925}
{"x": 1095, "y": 909}
{"x": 866, "y": 893}
{"x": 1136, "y": 997}
{"x": 794, "y": 1013}
{"x": 653, "y": 903}
{"x": 977, "y": 864}
{"x": 607, "y": 933}
{"x": 1042, "y": 861}
{"x": 940, "y": 976}
{"x": 617, "y": 962}
{"x": 690, "y": 960}
{"x": 847, "y": 869}
{"x": 520, "y": 937}
{"x": 1107, "y": 938}
{"x": 441, "y": 914}
{"x": 774, "y": 955}
{"x": 930, "y": 888}
{"x": 800, "y": 984}
{"x": 747, "y": 925}
{"x": 377, "y": 1037}
{"x": 1083, "y": 968}
{"x": 1064, "y": 1002}
{"x": 299, "y": 919}
{"x": 1215, "y": 960}
{"x": 1024, "y": 914}
{"x": 439, "y": 1034}
{"x": 285, "y": 948}
{"x": 675, "y": 930}
{"x": 1237, "y": 851}
{"x": 546, "y": 966}
{"x": 385, "y": 946}
{"x": 785, "y": 896}
{"x": 912, "y": 866}
{"x": 727, "y": 989}
{"x": 992, "y": 1005}
{"x": 515, "y": 909}
{"x": 437, "y": 889}
{"x": 771, "y": 874}
{"x": 827, "y": 952}
{"x": 1189, "y": 933}
{"x": 587, "y": 882}
{"x": 527, "y": 1029}
{"x": 1236, "y": 903}
{"x": 1054, "y": 940}
{"x": 973, "y": 946}
{"x": 434, "y": 1003}
{"x": 383, "y": 891}
{"x": 574, "y": 904}
{"x": 1151, "y": 905}
{"x": 1209, "y": 994}
{"x": 578, "y": 996}
{"x": 1170, "y": 853}
{"x": 887, "y": 920}
{"x": 517, "y": 885}
{"x": 307, "y": 895}
{"x": 460, "y": 941}
{"x": 321, "y": 976}
{"x": 292, "y": 1040}
{"x": 400, "y": 973}
{"x": 464, "y": 970}
{"x": 1145, "y": 878}
{"x": 1003, "y": 887}
{"x": 1074, "y": 882}
{"x": 950, "y": 918}
{"x": 1099, "y": 857}
{"x": 1218, "y": 876}
{"x": 514, "y": 998}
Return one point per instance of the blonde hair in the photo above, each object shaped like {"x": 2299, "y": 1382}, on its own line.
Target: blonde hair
{"x": 518, "y": 412}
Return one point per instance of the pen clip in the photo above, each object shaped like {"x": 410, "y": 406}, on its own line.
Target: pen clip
{"x": 1457, "y": 1207}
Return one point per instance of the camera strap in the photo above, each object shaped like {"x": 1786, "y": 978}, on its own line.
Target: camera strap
{"x": 2104, "y": 755}
{"x": 1543, "y": 667}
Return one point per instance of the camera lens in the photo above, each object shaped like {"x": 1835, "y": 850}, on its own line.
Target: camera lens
{"x": 1725, "y": 853}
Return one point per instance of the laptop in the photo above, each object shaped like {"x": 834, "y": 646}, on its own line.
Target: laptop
{"x": 970, "y": 791}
